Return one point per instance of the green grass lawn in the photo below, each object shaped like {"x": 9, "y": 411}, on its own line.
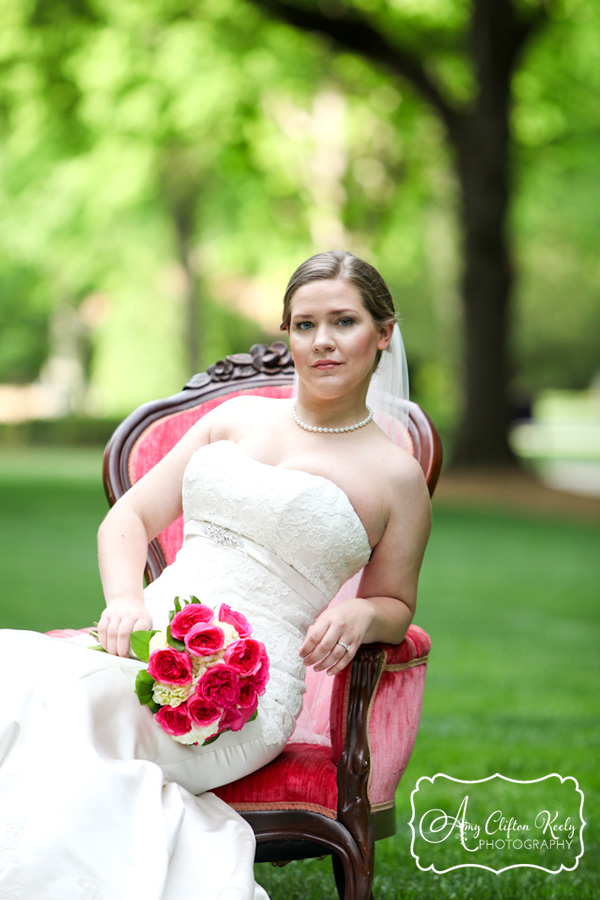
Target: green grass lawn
{"x": 51, "y": 503}
{"x": 510, "y": 602}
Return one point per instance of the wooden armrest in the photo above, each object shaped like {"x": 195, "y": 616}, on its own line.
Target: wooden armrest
{"x": 352, "y": 700}
{"x": 413, "y": 650}
{"x": 354, "y": 762}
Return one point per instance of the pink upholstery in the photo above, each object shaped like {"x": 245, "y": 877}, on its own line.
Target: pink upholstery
{"x": 302, "y": 777}
{"x": 395, "y": 714}
{"x": 399, "y": 660}
{"x": 305, "y": 772}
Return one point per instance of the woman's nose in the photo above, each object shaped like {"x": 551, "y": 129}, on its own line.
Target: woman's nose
{"x": 323, "y": 339}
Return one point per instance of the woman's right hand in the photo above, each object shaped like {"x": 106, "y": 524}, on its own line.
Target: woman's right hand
{"x": 119, "y": 619}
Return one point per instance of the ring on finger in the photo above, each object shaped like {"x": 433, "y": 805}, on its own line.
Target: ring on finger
{"x": 345, "y": 646}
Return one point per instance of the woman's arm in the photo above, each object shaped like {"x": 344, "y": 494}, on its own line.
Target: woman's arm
{"x": 388, "y": 587}
{"x": 123, "y": 537}
{"x": 145, "y": 511}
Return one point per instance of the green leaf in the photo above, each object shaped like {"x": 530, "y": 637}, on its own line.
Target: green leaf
{"x": 144, "y": 696}
{"x": 173, "y": 642}
{"x": 139, "y": 643}
{"x": 212, "y": 739}
{"x": 177, "y": 609}
{"x": 144, "y": 684}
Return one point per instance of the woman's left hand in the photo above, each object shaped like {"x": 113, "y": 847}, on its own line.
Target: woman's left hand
{"x": 332, "y": 641}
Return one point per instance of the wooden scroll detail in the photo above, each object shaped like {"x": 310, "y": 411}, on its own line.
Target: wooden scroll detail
{"x": 271, "y": 360}
{"x": 354, "y": 810}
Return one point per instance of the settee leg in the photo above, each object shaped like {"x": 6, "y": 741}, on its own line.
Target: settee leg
{"x": 348, "y": 890}
{"x": 338, "y": 874}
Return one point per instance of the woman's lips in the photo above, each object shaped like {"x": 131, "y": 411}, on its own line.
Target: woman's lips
{"x": 326, "y": 364}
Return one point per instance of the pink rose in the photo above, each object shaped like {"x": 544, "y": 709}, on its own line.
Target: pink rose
{"x": 219, "y": 686}
{"x": 261, "y": 676}
{"x": 174, "y": 720}
{"x": 231, "y": 718}
{"x": 239, "y": 621}
{"x": 244, "y": 656}
{"x": 235, "y": 719}
{"x": 191, "y": 614}
{"x": 201, "y": 712}
{"x": 248, "y": 696}
{"x": 204, "y": 640}
{"x": 169, "y": 666}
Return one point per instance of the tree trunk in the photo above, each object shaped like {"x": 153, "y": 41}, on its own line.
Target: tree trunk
{"x": 193, "y": 326}
{"x": 481, "y": 140}
{"x": 181, "y": 186}
{"x": 486, "y": 293}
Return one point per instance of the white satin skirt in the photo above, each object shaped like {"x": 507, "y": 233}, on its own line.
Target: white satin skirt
{"x": 96, "y": 802}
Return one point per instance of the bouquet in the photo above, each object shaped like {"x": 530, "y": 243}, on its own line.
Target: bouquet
{"x": 205, "y": 672}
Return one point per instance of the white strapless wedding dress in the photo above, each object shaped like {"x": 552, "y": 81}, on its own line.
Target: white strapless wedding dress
{"x": 96, "y": 802}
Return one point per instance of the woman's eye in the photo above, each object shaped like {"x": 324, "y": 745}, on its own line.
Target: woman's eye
{"x": 304, "y": 326}
{"x": 345, "y": 321}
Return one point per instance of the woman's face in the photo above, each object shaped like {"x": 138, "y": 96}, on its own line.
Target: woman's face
{"x": 333, "y": 337}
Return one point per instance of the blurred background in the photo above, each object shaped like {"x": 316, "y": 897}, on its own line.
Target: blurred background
{"x": 166, "y": 164}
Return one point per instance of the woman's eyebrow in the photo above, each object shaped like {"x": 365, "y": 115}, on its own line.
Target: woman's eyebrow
{"x": 331, "y": 312}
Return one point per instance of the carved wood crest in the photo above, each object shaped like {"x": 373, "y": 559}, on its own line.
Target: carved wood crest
{"x": 269, "y": 360}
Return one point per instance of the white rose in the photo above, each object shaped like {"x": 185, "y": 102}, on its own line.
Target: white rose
{"x": 196, "y": 735}
{"x": 230, "y": 633}
{"x": 158, "y": 641}
{"x": 171, "y": 694}
{"x": 199, "y": 666}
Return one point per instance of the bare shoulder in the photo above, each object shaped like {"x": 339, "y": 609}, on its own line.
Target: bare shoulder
{"x": 233, "y": 417}
{"x": 401, "y": 467}
{"x": 396, "y": 558}
{"x": 247, "y": 402}
{"x": 407, "y": 483}
{"x": 409, "y": 469}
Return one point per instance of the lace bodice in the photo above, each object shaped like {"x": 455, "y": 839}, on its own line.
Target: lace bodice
{"x": 275, "y": 543}
{"x": 305, "y": 519}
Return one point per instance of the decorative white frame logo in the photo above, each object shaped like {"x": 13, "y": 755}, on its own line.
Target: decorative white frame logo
{"x": 543, "y": 833}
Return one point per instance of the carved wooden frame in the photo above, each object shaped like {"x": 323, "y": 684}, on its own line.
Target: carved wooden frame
{"x": 284, "y": 835}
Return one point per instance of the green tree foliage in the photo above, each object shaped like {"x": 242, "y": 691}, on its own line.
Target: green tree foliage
{"x": 164, "y": 165}
{"x": 461, "y": 59}
{"x": 557, "y": 211}
{"x": 136, "y": 129}
{"x": 24, "y": 344}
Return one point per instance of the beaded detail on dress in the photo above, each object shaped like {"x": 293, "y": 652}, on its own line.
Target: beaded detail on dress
{"x": 221, "y": 536}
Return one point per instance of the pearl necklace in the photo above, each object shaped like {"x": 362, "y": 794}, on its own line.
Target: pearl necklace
{"x": 331, "y": 430}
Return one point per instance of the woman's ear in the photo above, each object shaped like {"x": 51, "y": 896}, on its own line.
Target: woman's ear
{"x": 385, "y": 335}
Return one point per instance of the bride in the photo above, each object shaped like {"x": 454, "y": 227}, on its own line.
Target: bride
{"x": 283, "y": 502}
